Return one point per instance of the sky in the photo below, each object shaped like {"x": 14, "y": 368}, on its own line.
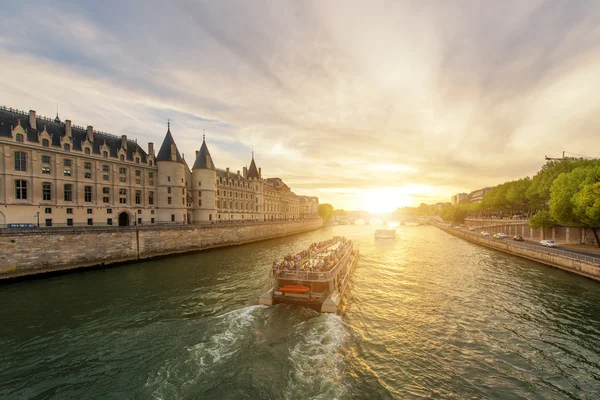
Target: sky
{"x": 367, "y": 105}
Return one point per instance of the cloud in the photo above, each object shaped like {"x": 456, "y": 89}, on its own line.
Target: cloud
{"x": 331, "y": 95}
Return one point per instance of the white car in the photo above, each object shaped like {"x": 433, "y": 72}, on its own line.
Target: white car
{"x": 548, "y": 243}
{"x": 501, "y": 235}
{"x": 485, "y": 233}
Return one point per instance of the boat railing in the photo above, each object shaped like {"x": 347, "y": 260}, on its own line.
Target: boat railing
{"x": 312, "y": 276}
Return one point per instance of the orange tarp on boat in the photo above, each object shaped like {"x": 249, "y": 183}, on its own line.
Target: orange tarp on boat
{"x": 295, "y": 289}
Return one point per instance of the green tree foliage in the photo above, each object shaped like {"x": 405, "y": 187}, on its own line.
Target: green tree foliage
{"x": 538, "y": 192}
{"x": 515, "y": 195}
{"x": 325, "y": 211}
{"x": 454, "y": 213}
{"x": 542, "y": 219}
{"x": 575, "y": 198}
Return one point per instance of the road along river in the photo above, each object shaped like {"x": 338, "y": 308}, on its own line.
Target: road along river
{"x": 426, "y": 315}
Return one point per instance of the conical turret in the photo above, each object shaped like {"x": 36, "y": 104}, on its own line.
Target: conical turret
{"x": 203, "y": 158}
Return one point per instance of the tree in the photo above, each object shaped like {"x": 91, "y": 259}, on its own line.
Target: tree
{"x": 515, "y": 195}
{"x": 575, "y": 199}
{"x": 325, "y": 211}
{"x": 539, "y": 191}
{"x": 542, "y": 219}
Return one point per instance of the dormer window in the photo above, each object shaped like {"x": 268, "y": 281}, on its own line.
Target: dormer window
{"x": 137, "y": 160}
{"x": 45, "y": 143}
{"x": 105, "y": 154}
{"x": 150, "y": 162}
{"x": 19, "y": 137}
{"x": 88, "y": 151}
{"x": 122, "y": 157}
{"x": 67, "y": 147}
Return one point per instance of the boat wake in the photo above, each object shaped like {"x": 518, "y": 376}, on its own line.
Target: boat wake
{"x": 227, "y": 336}
{"x": 317, "y": 361}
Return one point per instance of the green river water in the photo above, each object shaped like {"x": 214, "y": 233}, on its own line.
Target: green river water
{"x": 425, "y": 316}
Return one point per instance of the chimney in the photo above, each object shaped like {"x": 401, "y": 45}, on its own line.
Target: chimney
{"x": 197, "y": 153}
{"x": 68, "y": 127}
{"x": 90, "y": 133}
{"x": 259, "y": 172}
{"x": 150, "y": 148}
{"x": 245, "y": 173}
{"x": 123, "y": 140}
{"x": 32, "y": 119}
{"x": 227, "y": 169}
{"x": 173, "y": 152}
{"x": 238, "y": 172}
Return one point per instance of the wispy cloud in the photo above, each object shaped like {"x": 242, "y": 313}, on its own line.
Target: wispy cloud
{"x": 337, "y": 98}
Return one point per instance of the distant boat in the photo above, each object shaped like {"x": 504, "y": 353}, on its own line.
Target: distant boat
{"x": 389, "y": 233}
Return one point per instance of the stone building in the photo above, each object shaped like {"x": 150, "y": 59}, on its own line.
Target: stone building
{"x": 55, "y": 173}
{"x": 308, "y": 206}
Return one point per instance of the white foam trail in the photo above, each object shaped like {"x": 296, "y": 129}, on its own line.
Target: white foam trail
{"x": 317, "y": 360}
{"x": 232, "y": 335}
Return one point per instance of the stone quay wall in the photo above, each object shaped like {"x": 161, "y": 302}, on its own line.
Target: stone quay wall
{"x": 560, "y": 234}
{"x": 577, "y": 266}
{"x": 33, "y": 252}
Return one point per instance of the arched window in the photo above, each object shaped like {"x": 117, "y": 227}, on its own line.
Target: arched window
{"x": 45, "y": 143}
{"x": 150, "y": 162}
{"x": 122, "y": 157}
{"x": 88, "y": 151}
{"x": 137, "y": 160}
{"x": 67, "y": 147}
{"x": 105, "y": 154}
{"x": 19, "y": 137}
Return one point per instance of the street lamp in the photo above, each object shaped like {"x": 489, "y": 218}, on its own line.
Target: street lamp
{"x": 37, "y": 214}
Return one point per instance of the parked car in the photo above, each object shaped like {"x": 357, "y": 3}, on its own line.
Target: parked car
{"x": 518, "y": 238}
{"x": 485, "y": 233}
{"x": 472, "y": 229}
{"x": 548, "y": 243}
{"x": 501, "y": 235}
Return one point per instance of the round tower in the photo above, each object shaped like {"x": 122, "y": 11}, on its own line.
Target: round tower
{"x": 171, "y": 185}
{"x": 204, "y": 186}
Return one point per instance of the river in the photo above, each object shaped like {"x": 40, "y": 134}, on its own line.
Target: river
{"x": 425, "y": 316}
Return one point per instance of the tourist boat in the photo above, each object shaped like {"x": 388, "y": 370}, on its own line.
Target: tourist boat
{"x": 319, "y": 288}
{"x": 388, "y": 233}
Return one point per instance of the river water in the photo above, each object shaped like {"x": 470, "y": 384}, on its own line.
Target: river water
{"x": 425, "y": 316}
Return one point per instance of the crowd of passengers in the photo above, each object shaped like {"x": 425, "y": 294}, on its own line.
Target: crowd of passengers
{"x": 303, "y": 262}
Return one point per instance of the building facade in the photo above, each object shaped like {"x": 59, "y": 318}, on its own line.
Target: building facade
{"x": 476, "y": 196}
{"x": 459, "y": 198}
{"x": 54, "y": 173}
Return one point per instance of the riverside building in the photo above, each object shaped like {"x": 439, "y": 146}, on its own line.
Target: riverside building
{"x": 55, "y": 173}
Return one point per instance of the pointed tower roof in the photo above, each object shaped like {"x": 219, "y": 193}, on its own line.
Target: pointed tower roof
{"x": 253, "y": 171}
{"x": 164, "y": 154}
{"x": 203, "y": 159}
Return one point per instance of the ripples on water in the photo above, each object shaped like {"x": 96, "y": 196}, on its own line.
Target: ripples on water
{"x": 426, "y": 315}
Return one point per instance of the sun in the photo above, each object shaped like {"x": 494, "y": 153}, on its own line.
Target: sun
{"x": 383, "y": 200}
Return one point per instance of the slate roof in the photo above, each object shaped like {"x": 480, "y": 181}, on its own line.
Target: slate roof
{"x": 253, "y": 171}
{"x": 164, "y": 154}
{"x": 57, "y": 130}
{"x": 203, "y": 159}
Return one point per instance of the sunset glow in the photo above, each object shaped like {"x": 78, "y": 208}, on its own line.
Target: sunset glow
{"x": 426, "y": 102}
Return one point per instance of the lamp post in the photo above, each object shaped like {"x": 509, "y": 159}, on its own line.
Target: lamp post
{"x": 37, "y": 214}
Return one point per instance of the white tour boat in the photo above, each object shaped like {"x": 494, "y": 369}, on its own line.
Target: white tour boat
{"x": 315, "y": 278}
{"x": 388, "y": 233}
